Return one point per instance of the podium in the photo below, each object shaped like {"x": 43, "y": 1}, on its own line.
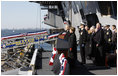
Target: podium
{"x": 62, "y": 46}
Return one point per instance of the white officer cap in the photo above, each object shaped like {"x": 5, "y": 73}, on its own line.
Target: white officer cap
{"x": 82, "y": 22}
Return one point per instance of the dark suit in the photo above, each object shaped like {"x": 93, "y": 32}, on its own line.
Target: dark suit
{"x": 108, "y": 40}
{"x": 66, "y": 37}
{"x": 114, "y": 41}
{"x": 82, "y": 41}
{"x": 99, "y": 52}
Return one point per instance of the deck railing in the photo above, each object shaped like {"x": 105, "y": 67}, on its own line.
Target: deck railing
{"x": 32, "y": 63}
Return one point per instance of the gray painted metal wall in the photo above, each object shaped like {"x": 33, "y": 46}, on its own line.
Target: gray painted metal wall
{"x": 72, "y": 12}
{"x": 54, "y": 20}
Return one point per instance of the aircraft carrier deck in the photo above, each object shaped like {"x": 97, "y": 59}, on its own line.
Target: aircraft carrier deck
{"x": 87, "y": 69}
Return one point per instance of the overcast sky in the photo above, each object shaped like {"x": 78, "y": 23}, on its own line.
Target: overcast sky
{"x": 21, "y": 15}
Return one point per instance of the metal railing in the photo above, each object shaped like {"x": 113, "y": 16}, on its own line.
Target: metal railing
{"x": 32, "y": 63}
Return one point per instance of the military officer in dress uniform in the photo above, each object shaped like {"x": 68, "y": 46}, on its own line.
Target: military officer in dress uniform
{"x": 108, "y": 40}
{"x": 82, "y": 41}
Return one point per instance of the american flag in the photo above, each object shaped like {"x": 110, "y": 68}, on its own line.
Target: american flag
{"x": 63, "y": 62}
{"x": 54, "y": 52}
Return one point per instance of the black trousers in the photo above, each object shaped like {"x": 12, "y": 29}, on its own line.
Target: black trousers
{"x": 107, "y": 48}
{"x": 82, "y": 53}
{"x": 100, "y": 56}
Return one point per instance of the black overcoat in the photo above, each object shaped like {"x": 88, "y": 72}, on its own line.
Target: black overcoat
{"x": 99, "y": 52}
{"x": 90, "y": 46}
{"x": 66, "y": 37}
{"x": 73, "y": 45}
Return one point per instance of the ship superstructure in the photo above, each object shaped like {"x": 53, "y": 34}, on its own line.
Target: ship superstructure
{"x": 77, "y": 12}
